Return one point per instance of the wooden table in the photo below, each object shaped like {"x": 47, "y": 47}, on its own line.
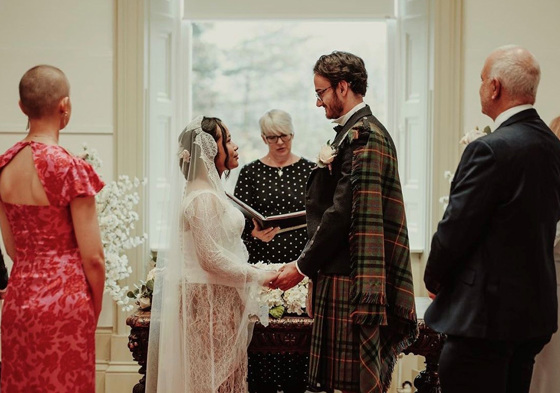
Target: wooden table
{"x": 292, "y": 335}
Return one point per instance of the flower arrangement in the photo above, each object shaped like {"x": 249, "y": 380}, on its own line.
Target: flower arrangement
{"x": 279, "y": 302}
{"x": 116, "y": 204}
{"x": 143, "y": 293}
{"x": 465, "y": 140}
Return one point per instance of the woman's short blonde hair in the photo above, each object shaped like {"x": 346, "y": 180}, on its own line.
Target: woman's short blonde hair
{"x": 276, "y": 122}
{"x": 555, "y": 126}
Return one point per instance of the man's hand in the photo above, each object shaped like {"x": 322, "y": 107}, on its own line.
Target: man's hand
{"x": 289, "y": 277}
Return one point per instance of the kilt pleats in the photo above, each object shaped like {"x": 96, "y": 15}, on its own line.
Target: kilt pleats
{"x": 343, "y": 355}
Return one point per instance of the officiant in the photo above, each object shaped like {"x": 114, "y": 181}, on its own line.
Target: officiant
{"x": 272, "y": 185}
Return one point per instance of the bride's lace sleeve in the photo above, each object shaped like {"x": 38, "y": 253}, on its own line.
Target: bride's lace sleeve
{"x": 217, "y": 249}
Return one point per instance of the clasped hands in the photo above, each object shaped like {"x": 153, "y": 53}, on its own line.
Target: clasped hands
{"x": 287, "y": 277}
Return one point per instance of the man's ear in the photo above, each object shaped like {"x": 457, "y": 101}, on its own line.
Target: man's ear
{"x": 343, "y": 87}
{"x": 496, "y": 89}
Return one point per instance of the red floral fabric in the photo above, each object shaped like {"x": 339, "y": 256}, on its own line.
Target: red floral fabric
{"x": 48, "y": 328}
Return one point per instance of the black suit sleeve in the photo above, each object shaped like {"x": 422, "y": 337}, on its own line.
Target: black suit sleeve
{"x": 335, "y": 222}
{"x": 472, "y": 198}
{"x": 3, "y": 273}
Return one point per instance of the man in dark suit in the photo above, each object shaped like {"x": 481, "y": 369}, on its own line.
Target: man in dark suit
{"x": 357, "y": 254}
{"x": 491, "y": 262}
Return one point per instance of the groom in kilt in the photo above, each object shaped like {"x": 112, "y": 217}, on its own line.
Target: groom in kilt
{"x": 357, "y": 254}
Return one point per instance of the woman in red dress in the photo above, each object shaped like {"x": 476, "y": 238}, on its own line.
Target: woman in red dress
{"x": 50, "y": 231}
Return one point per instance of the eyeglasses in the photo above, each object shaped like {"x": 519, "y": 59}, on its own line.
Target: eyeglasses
{"x": 274, "y": 138}
{"x": 319, "y": 93}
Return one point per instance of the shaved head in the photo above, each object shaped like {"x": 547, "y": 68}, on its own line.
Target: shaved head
{"x": 41, "y": 89}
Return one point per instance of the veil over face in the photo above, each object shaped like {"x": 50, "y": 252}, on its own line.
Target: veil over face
{"x": 204, "y": 289}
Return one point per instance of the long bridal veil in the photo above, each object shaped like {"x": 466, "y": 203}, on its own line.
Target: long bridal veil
{"x": 204, "y": 289}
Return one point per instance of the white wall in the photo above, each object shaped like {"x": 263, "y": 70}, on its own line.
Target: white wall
{"x": 79, "y": 37}
{"x": 531, "y": 24}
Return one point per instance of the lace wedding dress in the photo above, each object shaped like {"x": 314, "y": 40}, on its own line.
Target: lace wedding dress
{"x": 205, "y": 290}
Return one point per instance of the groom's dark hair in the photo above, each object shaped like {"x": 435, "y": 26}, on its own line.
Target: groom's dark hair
{"x": 343, "y": 66}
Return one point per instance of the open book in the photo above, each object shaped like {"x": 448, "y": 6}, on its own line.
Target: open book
{"x": 286, "y": 222}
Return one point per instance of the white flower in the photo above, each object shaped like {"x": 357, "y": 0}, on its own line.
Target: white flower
{"x": 151, "y": 274}
{"x": 144, "y": 303}
{"x": 465, "y": 140}
{"x": 185, "y": 155}
{"x": 293, "y": 300}
{"x": 326, "y": 156}
{"x": 473, "y": 135}
{"x": 115, "y": 205}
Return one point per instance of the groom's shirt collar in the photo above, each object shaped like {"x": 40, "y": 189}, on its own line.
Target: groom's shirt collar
{"x": 343, "y": 119}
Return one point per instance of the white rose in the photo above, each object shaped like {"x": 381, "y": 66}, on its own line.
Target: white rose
{"x": 326, "y": 155}
{"x": 144, "y": 303}
{"x": 471, "y": 136}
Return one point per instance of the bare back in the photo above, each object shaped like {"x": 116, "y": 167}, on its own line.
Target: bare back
{"x": 19, "y": 182}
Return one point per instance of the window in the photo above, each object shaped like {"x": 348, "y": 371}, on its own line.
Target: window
{"x": 241, "y": 69}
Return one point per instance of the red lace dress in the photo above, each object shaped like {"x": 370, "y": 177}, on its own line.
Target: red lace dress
{"x": 48, "y": 329}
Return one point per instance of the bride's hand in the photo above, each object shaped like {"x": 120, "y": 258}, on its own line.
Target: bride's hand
{"x": 269, "y": 277}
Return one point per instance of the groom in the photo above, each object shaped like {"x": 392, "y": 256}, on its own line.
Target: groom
{"x": 491, "y": 262}
{"x": 357, "y": 254}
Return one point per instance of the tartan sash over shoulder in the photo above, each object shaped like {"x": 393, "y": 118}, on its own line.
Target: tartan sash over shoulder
{"x": 382, "y": 292}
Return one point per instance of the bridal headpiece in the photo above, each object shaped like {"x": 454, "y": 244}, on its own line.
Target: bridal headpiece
{"x": 197, "y": 150}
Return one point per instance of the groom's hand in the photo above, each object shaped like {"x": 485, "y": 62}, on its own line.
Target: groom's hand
{"x": 289, "y": 277}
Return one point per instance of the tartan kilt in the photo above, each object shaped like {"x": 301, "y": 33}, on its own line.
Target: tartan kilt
{"x": 343, "y": 355}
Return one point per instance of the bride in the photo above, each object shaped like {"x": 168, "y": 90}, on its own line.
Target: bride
{"x": 205, "y": 290}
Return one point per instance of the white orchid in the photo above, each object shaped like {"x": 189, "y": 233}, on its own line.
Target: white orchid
{"x": 116, "y": 204}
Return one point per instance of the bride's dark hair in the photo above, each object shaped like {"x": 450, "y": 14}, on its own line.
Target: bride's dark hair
{"x": 215, "y": 127}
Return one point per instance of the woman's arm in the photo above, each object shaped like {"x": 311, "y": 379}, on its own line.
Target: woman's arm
{"x": 88, "y": 236}
{"x": 7, "y": 234}
{"x": 205, "y": 216}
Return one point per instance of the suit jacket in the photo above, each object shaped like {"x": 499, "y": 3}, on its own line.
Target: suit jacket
{"x": 491, "y": 260}
{"x": 328, "y": 203}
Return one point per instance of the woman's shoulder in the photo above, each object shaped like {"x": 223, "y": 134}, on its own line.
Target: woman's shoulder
{"x": 7, "y": 156}
{"x": 306, "y": 163}
{"x": 253, "y": 165}
{"x": 203, "y": 197}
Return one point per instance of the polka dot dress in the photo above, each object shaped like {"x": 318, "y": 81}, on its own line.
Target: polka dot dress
{"x": 273, "y": 191}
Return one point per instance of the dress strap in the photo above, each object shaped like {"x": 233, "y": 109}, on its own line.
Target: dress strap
{"x": 11, "y": 153}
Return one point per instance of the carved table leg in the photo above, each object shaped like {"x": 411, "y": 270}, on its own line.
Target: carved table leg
{"x": 427, "y": 381}
{"x": 429, "y": 345}
{"x": 138, "y": 344}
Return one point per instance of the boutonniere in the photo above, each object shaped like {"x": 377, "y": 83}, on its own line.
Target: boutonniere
{"x": 353, "y": 134}
{"x": 326, "y": 156}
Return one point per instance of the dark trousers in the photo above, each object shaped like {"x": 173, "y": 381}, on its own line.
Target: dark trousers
{"x": 469, "y": 365}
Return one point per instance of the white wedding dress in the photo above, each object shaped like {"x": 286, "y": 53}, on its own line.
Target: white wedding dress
{"x": 205, "y": 290}
{"x": 546, "y": 378}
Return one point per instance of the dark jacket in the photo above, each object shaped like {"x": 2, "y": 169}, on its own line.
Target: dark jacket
{"x": 491, "y": 260}
{"x": 328, "y": 204}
